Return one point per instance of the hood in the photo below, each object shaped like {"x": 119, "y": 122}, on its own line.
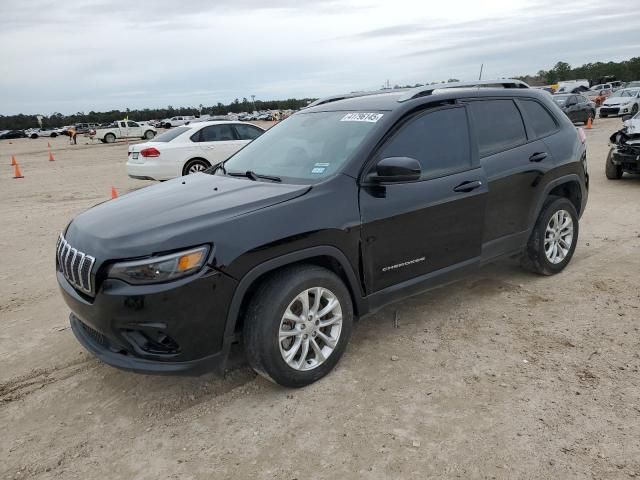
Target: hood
{"x": 180, "y": 213}
{"x": 632, "y": 126}
{"x": 617, "y": 100}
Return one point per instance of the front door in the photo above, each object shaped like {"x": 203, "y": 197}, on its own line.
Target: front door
{"x": 434, "y": 224}
{"x": 134, "y": 130}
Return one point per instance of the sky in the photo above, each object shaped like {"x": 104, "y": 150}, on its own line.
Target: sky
{"x": 83, "y": 55}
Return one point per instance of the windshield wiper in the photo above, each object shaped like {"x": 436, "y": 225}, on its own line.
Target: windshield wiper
{"x": 254, "y": 176}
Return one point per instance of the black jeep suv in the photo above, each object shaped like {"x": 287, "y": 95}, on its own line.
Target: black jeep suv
{"x": 340, "y": 209}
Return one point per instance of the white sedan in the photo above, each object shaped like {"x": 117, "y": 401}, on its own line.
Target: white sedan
{"x": 188, "y": 149}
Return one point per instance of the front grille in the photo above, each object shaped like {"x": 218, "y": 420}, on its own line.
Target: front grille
{"x": 75, "y": 265}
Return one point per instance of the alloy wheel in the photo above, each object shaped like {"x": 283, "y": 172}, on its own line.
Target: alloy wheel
{"x": 558, "y": 237}
{"x": 196, "y": 167}
{"x": 310, "y": 328}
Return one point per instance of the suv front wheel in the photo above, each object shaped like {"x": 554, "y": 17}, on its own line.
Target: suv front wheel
{"x": 297, "y": 325}
{"x": 553, "y": 239}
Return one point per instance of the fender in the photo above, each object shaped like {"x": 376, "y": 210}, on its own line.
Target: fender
{"x": 360, "y": 306}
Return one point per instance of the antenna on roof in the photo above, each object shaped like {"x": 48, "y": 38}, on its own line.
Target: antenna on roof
{"x": 481, "y": 67}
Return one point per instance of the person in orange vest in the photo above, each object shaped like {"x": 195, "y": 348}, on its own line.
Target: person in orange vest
{"x": 72, "y": 136}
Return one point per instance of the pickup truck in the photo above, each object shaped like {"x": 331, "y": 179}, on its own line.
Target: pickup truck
{"x": 125, "y": 129}
{"x": 177, "y": 121}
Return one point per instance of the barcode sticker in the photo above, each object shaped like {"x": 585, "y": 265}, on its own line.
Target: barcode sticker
{"x": 362, "y": 117}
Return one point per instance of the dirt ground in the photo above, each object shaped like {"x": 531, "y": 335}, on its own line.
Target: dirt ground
{"x": 502, "y": 375}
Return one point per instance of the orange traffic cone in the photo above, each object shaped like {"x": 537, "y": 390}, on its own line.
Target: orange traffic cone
{"x": 51, "y": 159}
{"x": 16, "y": 171}
{"x": 589, "y": 124}
{"x": 13, "y": 161}
{"x": 48, "y": 145}
{"x": 114, "y": 194}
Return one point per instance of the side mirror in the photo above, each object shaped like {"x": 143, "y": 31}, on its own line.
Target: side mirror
{"x": 397, "y": 169}
{"x": 626, "y": 117}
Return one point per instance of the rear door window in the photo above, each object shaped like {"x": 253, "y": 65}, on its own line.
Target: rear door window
{"x": 439, "y": 140}
{"x": 538, "y": 118}
{"x": 498, "y": 125}
{"x": 214, "y": 133}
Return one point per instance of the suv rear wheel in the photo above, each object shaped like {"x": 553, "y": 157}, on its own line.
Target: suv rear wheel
{"x": 611, "y": 170}
{"x": 297, "y": 325}
{"x": 553, "y": 239}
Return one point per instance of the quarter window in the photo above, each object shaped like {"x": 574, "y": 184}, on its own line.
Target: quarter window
{"x": 538, "y": 118}
{"x": 498, "y": 125}
{"x": 439, "y": 140}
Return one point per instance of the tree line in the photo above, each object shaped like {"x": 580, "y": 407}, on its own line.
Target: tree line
{"x": 21, "y": 121}
{"x": 625, "y": 70}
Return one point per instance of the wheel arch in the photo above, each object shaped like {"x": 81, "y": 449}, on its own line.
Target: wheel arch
{"x": 327, "y": 256}
{"x": 184, "y": 166}
{"x": 568, "y": 186}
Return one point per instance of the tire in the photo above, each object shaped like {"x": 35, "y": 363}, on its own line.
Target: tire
{"x": 54, "y": 135}
{"x": 149, "y": 134}
{"x": 603, "y": 115}
{"x": 265, "y": 318}
{"x": 634, "y": 109}
{"x": 34, "y": 135}
{"x": 167, "y": 125}
{"x": 109, "y": 138}
{"x": 195, "y": 165}
{"x": 611, "y": 170}
{"x": 539, "y": 256}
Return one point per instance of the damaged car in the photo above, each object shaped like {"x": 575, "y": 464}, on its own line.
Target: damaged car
{"x": 624, "y": 155}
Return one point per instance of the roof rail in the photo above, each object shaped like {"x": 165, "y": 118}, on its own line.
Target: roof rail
{"x": 343, "y": 96}
{"x": 429, "y": 89}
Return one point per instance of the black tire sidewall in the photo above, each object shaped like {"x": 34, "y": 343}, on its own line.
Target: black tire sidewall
{"x": 538, "y": 236}
{"x": 612, "y": 171}
{"x": 264, "y": 324}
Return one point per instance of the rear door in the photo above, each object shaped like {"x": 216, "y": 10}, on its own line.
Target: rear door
{"x": 217, "y": 142}
{"x": 514, "y": 162}
{"x": 417, "y": 228}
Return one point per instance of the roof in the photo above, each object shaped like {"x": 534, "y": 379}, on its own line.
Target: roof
{"x": 395, "y": 99}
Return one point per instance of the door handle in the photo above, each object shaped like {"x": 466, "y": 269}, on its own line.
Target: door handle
{"x": 538, "y": 157}
{"x": 468, "y": 186}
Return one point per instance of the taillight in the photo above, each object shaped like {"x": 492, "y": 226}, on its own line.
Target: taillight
{"x": 150, "y": 152}
{"x": 581, "y": 134}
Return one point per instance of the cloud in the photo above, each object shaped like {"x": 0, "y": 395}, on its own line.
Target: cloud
{"x": 83, "y": 55}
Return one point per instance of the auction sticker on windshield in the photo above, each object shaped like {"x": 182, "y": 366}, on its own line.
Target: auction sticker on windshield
{"x": 361, "y": 117}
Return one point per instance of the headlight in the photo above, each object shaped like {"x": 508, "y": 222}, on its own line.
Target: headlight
{"x": 161, "y": 269}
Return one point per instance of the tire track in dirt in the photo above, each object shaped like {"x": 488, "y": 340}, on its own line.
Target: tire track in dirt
{"x": 23, "y": 385}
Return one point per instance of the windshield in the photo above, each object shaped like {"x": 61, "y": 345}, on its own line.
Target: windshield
{"x": 626, "y": 93}
{"x": 305, "y": 148}
{"x": 171, "y": 134}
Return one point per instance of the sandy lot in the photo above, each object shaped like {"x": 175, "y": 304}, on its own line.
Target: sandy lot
{"x": 502, "y": 375}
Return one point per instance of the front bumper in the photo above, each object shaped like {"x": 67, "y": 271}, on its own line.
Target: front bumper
{"x": 628, "y": 158}
{"x": 178, "y": 327}
{"x": 617, "y": 109}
